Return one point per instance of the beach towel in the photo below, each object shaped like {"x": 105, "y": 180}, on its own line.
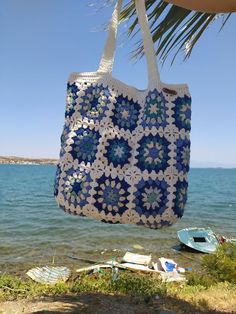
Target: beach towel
{"x": 125, "y": 152}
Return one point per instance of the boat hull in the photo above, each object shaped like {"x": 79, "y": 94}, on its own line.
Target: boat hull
{"x": 199, "y": 239}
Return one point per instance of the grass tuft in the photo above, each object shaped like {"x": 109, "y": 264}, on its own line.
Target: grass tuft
{"x": 222, "y": 264}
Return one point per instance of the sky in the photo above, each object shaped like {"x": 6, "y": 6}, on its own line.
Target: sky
{"x": 43, "y": 41}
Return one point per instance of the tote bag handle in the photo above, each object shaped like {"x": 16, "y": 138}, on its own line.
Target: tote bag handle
{"x": 107, "y": 60}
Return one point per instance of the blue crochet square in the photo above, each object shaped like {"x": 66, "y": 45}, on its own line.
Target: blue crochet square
{"x": 76, "y": 187}
{"x": 151, "y": 197}
{"x": 182, "y": 154}
{"x": 153, "y": 153}
{"x": 118, "y": 151}
{"x": 180, "y": 198}
{"x": 111, "y": 195}
{"x": 155, "y": 111}
{"x": 182, "y": 112}
{"x": 95, "y": 102}
{"x": 125, "y": 113}
{"x": 72, "y": 90}
{"x": 85, "y": 145}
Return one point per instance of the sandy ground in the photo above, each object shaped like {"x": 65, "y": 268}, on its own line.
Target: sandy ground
{"x": 103, "y": 304}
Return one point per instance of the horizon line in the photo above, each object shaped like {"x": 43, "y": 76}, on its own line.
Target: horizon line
{"x": 193, "y": 163}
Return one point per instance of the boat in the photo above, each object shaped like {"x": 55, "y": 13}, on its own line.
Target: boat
{"x": 200, "y": 239}
{"x": 49, "y": 275}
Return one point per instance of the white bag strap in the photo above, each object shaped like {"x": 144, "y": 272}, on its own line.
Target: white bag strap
{"x": 107, "y": 60}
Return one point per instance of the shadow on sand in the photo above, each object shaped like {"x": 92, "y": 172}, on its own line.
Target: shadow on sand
{"x": 103, "y": 304}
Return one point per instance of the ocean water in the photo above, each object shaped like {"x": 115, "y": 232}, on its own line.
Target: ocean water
{"x": 34, "y": 231}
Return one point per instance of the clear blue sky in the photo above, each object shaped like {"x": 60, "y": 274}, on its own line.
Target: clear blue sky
{"x": 42, "y": 41}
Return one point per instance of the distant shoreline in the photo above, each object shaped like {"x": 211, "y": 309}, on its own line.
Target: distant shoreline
{"x": 12, "y": 160}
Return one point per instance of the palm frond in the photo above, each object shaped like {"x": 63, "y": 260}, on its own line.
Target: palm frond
{"x": 174, "y": 29}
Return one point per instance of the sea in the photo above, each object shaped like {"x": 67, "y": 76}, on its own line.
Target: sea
{"x": 35, "y": 232}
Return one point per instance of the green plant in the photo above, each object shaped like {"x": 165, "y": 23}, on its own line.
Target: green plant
{"x": 200, "y": 279}
{"x": 173, "y": 28}
{"x": 133, "y": 284}
{"x": 222, "y": 264}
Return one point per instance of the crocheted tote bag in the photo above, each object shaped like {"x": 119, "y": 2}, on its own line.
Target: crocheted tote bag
{"x": 125, "y": 152}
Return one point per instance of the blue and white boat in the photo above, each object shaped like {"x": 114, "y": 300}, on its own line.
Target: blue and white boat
{"x": 200, "y": 239}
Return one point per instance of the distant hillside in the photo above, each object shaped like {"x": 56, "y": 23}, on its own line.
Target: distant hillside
{"x": 48, "y": 161}
{"x": 210, "y": 164}
{"x": 27, "y": 161}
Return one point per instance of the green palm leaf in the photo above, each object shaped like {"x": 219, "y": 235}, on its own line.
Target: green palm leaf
{"x": 173, "y": 28}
